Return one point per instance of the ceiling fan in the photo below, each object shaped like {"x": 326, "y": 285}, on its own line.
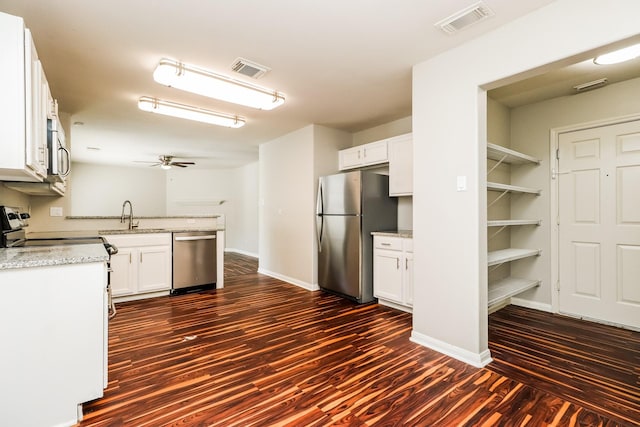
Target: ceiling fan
{"x": 166, "y": 161}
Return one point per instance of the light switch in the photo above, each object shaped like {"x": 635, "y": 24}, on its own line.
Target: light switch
{"x": 461, "y": 183}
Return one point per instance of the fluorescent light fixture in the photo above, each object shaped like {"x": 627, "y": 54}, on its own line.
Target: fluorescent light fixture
{"x": 168, "y": 108}
{"x": 203, "y": 82}
{"x": 620, "y": 55}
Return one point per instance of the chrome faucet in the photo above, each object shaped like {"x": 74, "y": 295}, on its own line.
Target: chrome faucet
{"x": 131, "y": 224}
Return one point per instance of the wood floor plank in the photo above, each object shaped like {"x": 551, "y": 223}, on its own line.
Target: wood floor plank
{"x": 261, "y": 352}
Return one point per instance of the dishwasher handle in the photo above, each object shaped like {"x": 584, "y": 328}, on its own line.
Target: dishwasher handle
{"x": 190, "y": 238}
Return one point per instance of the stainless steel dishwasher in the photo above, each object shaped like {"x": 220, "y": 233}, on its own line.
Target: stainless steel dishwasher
{"x": 194, "y": 260}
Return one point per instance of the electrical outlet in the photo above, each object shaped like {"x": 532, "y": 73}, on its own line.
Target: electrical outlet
{"x": 55, "y": 211}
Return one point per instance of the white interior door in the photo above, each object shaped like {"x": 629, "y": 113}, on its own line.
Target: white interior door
{"x": 599, "y": 227}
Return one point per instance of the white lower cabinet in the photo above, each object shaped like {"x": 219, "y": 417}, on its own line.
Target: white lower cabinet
{"x": 142, "y": 264}
{"x": 55, "y": 337}
{"x": 393, "y": 271}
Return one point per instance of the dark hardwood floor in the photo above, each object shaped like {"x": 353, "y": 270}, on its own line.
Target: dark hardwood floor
{"x": 236, "y": 264}
{"x": 261, "y": 352}
{"x": 593, "y": 365}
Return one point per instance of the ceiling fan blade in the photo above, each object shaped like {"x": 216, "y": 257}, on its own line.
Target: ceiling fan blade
{"x": 178, "y": 165}
{"x": 182, "y": 163}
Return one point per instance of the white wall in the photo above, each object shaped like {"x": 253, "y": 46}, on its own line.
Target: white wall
{"x": 286, "y": 203}
{"x": 245, "y": 224}
{"x": 200, "y": 192}
{"x": 387, "y": 130}
{"x": 449, "y": 131}
{"x": 100, "y": 190}
{"x": 9, "y": 197}
{"x": 289, "y": 168}
{"x": 530, "y": 128}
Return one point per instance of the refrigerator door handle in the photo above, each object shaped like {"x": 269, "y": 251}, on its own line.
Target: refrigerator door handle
{"x": 320, "y": 216}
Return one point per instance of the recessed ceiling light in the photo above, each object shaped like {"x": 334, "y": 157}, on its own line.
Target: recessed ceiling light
{"x": 93, "y": 148}
{"x": 78, "y": 123}
{"x": 617, "y": 56}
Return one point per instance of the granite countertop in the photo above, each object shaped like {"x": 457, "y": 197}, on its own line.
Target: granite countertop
{"x": 144, "y": 217}
{"x": 408, "y": 234}
{"x": 156, "y": 230}
{"x": 92, "y": 233}
{"x": 41, "y": 256}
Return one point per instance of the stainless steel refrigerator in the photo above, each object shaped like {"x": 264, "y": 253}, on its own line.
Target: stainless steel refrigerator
{"x": 350, "y": 206}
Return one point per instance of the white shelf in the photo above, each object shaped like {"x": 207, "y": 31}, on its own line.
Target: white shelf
{"x": 505, "y": 255}
{"x": 506, "y": 288}
{"x": 495, "y": 186}
{"x": 510, "y": 222}
{"x": 506, "y": 155}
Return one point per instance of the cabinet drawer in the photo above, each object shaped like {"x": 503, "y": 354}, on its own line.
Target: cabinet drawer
{"x": 385, "y": 242}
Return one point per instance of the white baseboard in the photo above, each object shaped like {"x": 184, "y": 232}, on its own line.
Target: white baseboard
{"x": 395, "y": 305}
{"x": 520, "y": 302}
{"x": 241, "y": 252}
{"x": 299, "y": 283}
{"x": 125, "y": 298}
{"x": 479, "y": 360}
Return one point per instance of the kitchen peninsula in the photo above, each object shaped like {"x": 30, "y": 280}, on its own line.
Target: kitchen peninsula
{"x": 142, "y": 269}
{"x": 55, "y": 312}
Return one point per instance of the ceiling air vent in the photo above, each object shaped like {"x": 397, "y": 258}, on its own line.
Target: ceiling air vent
{"x": 249, "y": 68}
{"x": 595, "y": 84}
{"x": 462, "y": 19}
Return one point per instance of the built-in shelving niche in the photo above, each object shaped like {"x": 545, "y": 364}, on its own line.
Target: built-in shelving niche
{"x": 501, "y": 290}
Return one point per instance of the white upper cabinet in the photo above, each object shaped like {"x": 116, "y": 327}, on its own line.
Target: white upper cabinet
{"x": 23, "y": 115}
{"x": 370, "y": 154}
{"x": 401, "y": 165}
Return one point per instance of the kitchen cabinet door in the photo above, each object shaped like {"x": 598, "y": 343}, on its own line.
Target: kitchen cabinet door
{"x": 365, "y": 155}
{"x": 23, "y": 120}
{"x": 350, "y": 158}
{"x": 154, "y": 268}
{"x": 123, "y": 274}
{"x": 401, "y": 166}
{"x": 375, "y": 153}
{"x": 393, "y": 271}
{"x": 143, "y": 265}
{"x": 387, "y": 275}
{"x": 36, "y": 112}
{"x": 407, "y": 284}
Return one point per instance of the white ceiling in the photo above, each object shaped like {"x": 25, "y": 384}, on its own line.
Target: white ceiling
{"x": 345, "y": 64}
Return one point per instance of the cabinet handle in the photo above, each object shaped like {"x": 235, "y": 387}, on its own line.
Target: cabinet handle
{"x": 358, "y": 154}
{"x": 385, "y": 244}
{"x": 140, "y": 257}
{"x": 397, "y": 263}
{"x": 406, "y": 264}
{"x": 129, "y": 258}
{"x": 365, "y": 153}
